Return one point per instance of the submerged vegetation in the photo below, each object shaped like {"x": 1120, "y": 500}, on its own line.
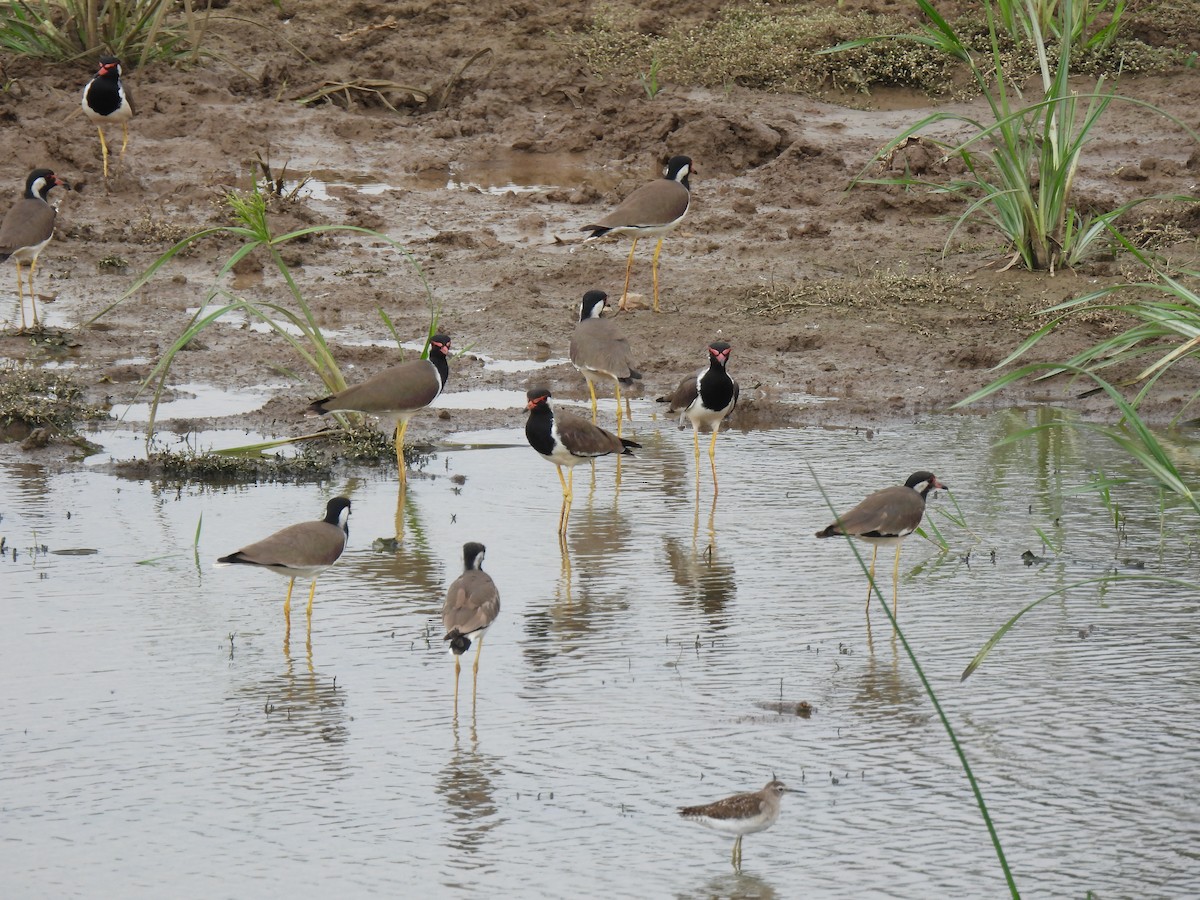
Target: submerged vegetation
{"x": 32, "y": 398}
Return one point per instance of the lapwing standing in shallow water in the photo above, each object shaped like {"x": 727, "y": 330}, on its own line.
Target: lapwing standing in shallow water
{"x": 567, "y": 440}
{"x": 26, "y": 230}
{"x": 652, "y": 209}
{"x": 599, "y": 350}
{"x": 106, "y": 101}
{"x": 299, "y": 551}
{"x": 885, "y": 519}
{"x": 395, "y": 394}
{"x": 472, "y": 604}
{"x": 740, "y": 815}
{"x": 705, "y": 399}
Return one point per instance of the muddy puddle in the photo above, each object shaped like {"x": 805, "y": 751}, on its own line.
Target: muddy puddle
{"x": 159, "y": 729}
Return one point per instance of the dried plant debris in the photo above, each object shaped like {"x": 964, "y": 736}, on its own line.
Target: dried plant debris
{"x": 32, "y": 399}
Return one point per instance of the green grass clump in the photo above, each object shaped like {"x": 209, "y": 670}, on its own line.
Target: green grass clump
{"x": 133, "y": 30}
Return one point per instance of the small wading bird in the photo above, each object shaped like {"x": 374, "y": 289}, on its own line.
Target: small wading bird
{"x": 567, "y": 440}
{"x": 26, "y": 230}
{"x": 395, "y": 394}
{"x": 472, "y": 604}
{"x": 885, "y": 519}
{"x": 705, "y": 399}
{"x": 654, "y": 208}
{"x": 599, "y": 350}
{"x": 299, "y": 551}
{"x": 105, "y": 100}
{"x": 740, "y": 814}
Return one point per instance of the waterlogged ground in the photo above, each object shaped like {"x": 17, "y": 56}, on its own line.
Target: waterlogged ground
{"x": 161, "y": 737}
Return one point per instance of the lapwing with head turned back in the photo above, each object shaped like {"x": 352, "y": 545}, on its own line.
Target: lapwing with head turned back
{"x": 652, "y": 209}
{"x": 885, "y": 519}
{"x": 105, "y": 101}
{"x": 740, "y": 815}
{"x": 395, "y": 394}
{"x": 471, "y": 606}
{"x": 299, "y": 551}
{"x": 705, "y": 399}
{"x": 567, "y": 440}
{"x": 27, "y": 228}
{"x": 600, "y": 351}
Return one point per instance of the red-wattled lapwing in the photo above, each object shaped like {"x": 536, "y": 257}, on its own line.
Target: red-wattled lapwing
{"x": 299, "y": 551}
{"x": 472, "y": 604}
{"x": 705, "y": 399}
{"x": 654, "y": 208}
{"x": 27, "y": 228}
{"x": 105, "y": 100}
{"x": 567, "y": 440}
{"x": 885, "y": 519}
{"x": 740, "y": 814}
{"x": 600, "y": 350}
{"x": 395, "y": 394}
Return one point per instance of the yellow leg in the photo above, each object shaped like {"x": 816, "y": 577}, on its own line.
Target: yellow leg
{"x": 400, "y": 429}
{"x": 617, "y": 385}
{"x": 287, "y": 602}
{"x": 124, "y": 138}
{"x": 712, "y": 455}
{"x": 398, "y": 521}
{"x": 654, "y": 272}
{"x": 475, "y": 671}
{"x": 895, "y": 584}
{"x": 628, "y": 271}
{"x": 32, "y": 295}
{"x": 21, "y": 297}
{"x": 737, "y": 854}
{"x": 311, "y": 593}
{"x": 103, "y": 150}
{"x": 592, "y": 391}
{"x": 565, "y": 512}
{"x": 871, "y": 580}
{"x": 457, "y": 669}
{"x": 696, "y": 454}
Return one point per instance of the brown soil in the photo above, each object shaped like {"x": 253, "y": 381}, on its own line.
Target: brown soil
{"x": 892, "y": 328}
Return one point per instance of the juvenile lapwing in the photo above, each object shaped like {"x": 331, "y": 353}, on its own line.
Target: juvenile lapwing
{"x": 26, "y": 230}
{"x": 105, "y": 100}
{"x": 472, "y": 604}
{"x": 567, "y": 440}
{"x": 600, "y": 351}
{"x": 299, "y": 551}
{"x": 885, "y": 519}
{"x": 652, "y": 209}
{"x": 705, "y": 399}
{"x": 395, "y": 394}
{"x": 740, "y": 815}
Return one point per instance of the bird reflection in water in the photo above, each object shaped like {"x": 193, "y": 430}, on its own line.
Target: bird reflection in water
{"x": 467, "y": 784}
{"x": 705, "y": 579}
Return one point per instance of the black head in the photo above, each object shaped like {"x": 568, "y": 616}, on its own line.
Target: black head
{"x": 679, "y": 168}
{"x": 40, "y": 181}
{"x": 337, "y": 511}
{"x": 923, "y": 482}
{"x": 539, "y": 398}
{"x": 719, "y": 351}
{"x": 110, "y": 67}
{"x": 593, "y": 305}
{"x": 440, "y": 344}
{"x": 473, "y": 552}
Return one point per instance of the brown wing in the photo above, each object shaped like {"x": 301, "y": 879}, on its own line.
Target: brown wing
{"x": 299, "y": 546}
{"x": 405, "y": 388}
{"x": 599, "y": 345}
{"x": 685, "y": 395}
{"x": 28, "y": 223}
{"x": 739, "y": 806}
{"x": 894, "y": 510}
{"x": 583, "y": 438}
{"x": 657, "y": 203}
{"x": 472, "y": 602}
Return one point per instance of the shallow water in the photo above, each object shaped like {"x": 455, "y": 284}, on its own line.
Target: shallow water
{"x": 161, "y": 739}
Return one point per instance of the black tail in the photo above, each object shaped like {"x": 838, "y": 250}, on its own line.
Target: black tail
{"x": 459, "y": 642}
{"x": 831, "y": 531}
{"x": 596, "y": 230}
{"x": 317, "y": 408}
{"x": 633, "y": 376}
{"x": 630, "y": 446}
